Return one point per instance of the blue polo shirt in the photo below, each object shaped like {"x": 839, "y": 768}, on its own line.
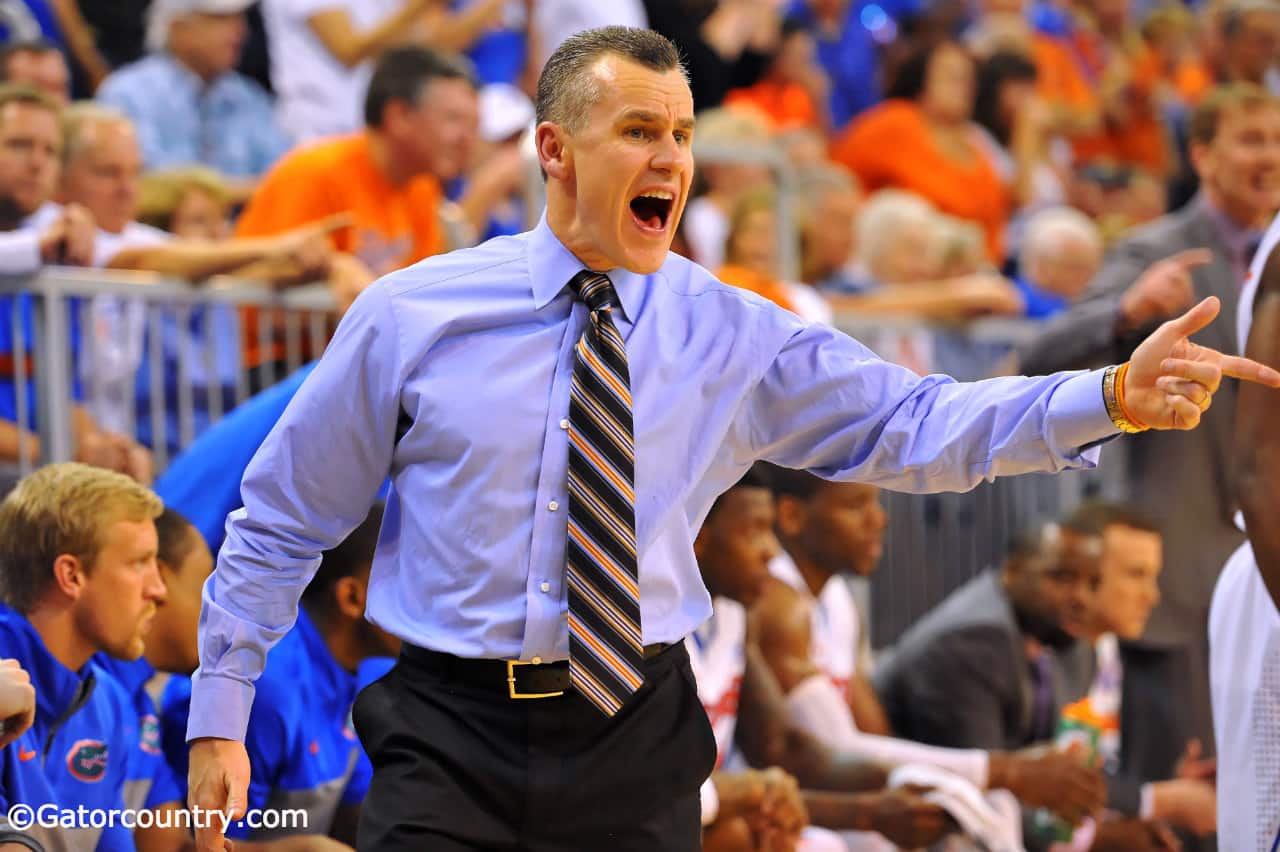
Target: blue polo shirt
{"x": 151, "y": 783}
{"x": 303, "y": 750}
{"x": 204, "y": 482}
{"x": 79, "y": 748}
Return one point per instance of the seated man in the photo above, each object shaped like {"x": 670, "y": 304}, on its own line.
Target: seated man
{"x": 733, "y": 549}
{"x": 102, "y": 174}
{"x": 1139, "y": 725}
{"x": 303, "y": 750}
{"x": 78, "y": 576}
{"x": 980, "y": 670}
{"x": 810, "y": 634}
{"x": 185, "y": 563}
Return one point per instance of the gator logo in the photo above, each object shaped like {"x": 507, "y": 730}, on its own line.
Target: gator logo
{"x": 87, "y": 760}
{"x": 149, "y": 736}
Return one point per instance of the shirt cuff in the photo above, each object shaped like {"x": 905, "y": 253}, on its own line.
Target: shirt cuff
{"x": 219, "y": 707}
{"x": 710, "y": 802}
{"x": 1078, "y": 414}
{"x": 1147, "y": 802}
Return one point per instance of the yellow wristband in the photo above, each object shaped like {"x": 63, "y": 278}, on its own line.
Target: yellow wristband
{"x": 1113, "y": 399}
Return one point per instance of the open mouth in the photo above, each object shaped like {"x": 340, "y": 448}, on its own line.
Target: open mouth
{"x": 652, "y": 210}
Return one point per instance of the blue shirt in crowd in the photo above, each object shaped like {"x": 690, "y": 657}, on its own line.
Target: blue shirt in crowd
{"x": 851, "y": 57}
{"x": 151, "y": 783}
{"x": 228, "y": 125}
{"x": 453, "y": 376}
{"x": 204, "y": 482}
{"x": 77, "y": 752}
{"x": 303, "y": 750}
{"x": 1041, "y": 304}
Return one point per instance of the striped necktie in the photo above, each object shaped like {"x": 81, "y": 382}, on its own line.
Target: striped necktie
{"x": 606, "y": 652}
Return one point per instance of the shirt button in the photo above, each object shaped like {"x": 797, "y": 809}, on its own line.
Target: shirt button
{"x": 564, "y": 424}
{"x": 553, "y": 505}
{"x": 545, "y": 586}
{"x": 537, "y": 661}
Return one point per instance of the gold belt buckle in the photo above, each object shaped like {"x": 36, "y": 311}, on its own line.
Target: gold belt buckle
{"x": 511, "y": 682}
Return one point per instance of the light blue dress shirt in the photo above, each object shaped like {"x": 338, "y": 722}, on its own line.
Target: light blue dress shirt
{"x": 453, "y": 377}
{"x": 229, "y": 125}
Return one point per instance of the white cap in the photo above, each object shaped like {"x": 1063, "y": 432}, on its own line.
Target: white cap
{"x": 165, "y": 12}
{"x": 504, "y": 111}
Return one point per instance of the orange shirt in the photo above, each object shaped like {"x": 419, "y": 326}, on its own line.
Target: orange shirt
{"x": 1141, "y": 140}
{"x": 393, "y": 226}
{"x": 1058, "y": 78}
{"x": 786, "y": 106}
{"x": 891, "y": 145}
{"x": 749, "y": 279}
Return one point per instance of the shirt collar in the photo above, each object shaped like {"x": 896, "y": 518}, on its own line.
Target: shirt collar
{"x": 132, "y": 674}
{"x": 551, "y": 266}
{"x": 1240, "y": 240}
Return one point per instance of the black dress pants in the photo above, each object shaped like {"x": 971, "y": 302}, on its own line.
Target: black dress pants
{"x": 458, "y": 766}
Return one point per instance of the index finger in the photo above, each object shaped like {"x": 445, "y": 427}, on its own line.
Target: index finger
{"x": 332, "y": 222}
{"x": 1189, "y": 258}
{"x": 1246, "y": 369}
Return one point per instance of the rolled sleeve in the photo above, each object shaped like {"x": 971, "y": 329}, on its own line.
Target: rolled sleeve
{"x": 311, "y": 483}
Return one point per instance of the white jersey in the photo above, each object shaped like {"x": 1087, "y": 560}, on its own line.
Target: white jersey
{"x": 1244, "y": 668}
{"x": 1244, "y": 682}
{"x": 837, "y": 644}
{"x": 717, "y": 654}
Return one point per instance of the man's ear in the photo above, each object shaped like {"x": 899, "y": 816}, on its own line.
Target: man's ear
{"x": 553, "y": 151}
{"x": 791, "y": 513}
{"x": 349, "y": 598}
{"x": 1199, "y": 155}
{"x": 69, "y": 575}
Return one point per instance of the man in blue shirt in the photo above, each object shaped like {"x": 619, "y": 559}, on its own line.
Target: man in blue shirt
{"x": 77, "y": 577}
{"x": 302, "y": 747}
{"x": 186, "y": 99}
{"x": 555, "y": 437}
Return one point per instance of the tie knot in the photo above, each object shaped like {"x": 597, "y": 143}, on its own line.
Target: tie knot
{"x": 594, "y": 289}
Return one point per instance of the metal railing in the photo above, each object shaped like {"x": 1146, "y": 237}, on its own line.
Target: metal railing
{"x": 148, "y": 357}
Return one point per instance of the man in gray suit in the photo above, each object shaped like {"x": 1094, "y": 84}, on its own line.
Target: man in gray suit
{"x": 1200, "y": 250}
{"x": 992, "y": 666}
{"x": 978, "y": 671}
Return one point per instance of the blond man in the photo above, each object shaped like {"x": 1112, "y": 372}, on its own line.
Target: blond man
{"x": 78, "y": 576}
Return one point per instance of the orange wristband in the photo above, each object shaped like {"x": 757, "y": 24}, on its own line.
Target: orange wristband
{"x": 1124, "y": 409}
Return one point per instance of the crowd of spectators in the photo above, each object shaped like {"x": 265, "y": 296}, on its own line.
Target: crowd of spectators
{"x": 902, "y": 167}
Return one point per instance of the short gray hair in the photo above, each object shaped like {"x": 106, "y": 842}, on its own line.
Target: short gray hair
{"x": 79, "y": 117}
{"x": 886, "y": 213}
{"x": 568, "y": 88}
{"x": 1049, "y": 228}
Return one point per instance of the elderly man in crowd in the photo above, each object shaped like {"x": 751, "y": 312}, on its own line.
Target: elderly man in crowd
{"x": 186, "y": 100}
{"x": 1061, "y": 253}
